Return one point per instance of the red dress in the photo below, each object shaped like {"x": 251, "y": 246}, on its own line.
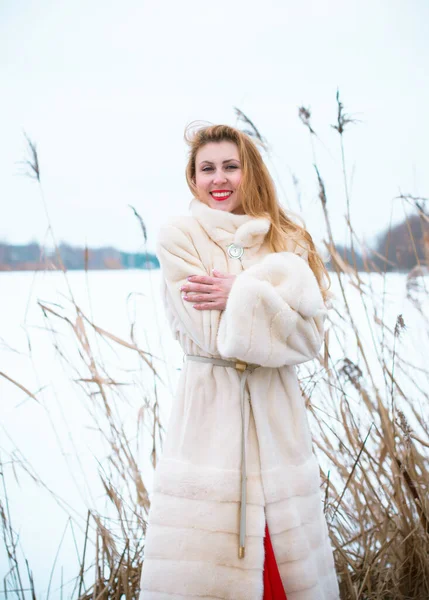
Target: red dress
{"x": 273, "y": 587}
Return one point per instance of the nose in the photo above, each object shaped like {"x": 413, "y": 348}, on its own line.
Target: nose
{"x": 219, "y": 177}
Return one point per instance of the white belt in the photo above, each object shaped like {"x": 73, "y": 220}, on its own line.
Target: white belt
{"x": 244, "y": 370}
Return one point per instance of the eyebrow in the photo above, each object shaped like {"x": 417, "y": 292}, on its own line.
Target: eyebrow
{"x": 223, "y": 162}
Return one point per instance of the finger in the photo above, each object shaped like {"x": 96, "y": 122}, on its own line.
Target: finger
{"x": 196, "y": 287}
{"x": 199, "y": 298}
{"x": 219, "y": 274}
{"x": 208, "y": 306}
{"x": 201, "y": 279}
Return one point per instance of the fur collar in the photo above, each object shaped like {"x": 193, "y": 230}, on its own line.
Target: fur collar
{"x": 226, "y": 228}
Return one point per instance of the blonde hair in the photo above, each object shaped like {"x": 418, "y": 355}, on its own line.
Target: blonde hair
{"x": 258, "y": 194}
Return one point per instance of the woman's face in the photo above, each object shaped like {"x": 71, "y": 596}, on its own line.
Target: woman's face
{"x": 217, "y": 175}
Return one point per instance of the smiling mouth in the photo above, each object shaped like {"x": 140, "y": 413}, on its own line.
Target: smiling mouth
{"x": 220, "y": 195}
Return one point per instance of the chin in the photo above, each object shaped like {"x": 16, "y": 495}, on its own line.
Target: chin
{"x": 225, "y": 206}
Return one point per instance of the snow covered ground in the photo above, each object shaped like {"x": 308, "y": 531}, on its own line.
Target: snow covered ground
{"x": 54, "y": 433}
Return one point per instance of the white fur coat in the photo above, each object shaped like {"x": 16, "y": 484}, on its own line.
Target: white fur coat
{"x": 274, "y": 318}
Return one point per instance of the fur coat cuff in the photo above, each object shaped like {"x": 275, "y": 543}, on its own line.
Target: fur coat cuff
{"x": 275, "y": 313}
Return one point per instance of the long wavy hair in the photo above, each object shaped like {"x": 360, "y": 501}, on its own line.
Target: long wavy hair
{"x": 258, "y": 194}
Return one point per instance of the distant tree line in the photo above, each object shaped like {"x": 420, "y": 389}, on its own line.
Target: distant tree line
{"x": 406, "y": 244}
{"x": 397, "y": 249}
{"x": 30, "y": 257}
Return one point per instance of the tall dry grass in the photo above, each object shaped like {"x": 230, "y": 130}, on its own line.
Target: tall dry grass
{"x": 376, "y": 500}
{"x": 368, "y": 409}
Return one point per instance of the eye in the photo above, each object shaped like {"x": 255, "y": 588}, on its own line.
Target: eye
{"x": 232, "y": 167}
{"x": 206, "y": 169}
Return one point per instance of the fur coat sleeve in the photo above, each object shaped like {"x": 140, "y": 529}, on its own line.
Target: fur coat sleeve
{"x": 274, "y": 314}
{"x": 179, "y": 259}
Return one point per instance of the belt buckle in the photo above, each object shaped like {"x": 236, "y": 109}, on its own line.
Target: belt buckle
{"x": 241, "y": 366}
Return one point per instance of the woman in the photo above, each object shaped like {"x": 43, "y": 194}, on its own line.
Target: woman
{"x": 236, "y": 509}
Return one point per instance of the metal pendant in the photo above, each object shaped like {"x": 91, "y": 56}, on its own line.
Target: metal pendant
{"x": 235, "y": 251}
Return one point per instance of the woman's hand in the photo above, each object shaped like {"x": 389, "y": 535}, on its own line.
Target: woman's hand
{"x": 208, "y": 293}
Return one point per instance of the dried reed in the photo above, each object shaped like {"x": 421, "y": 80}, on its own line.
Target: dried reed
{"x": 370, "y": 435}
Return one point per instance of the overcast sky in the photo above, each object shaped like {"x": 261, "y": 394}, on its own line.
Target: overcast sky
{"x": 106, "y": 89}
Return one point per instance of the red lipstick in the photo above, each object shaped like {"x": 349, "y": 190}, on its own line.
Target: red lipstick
{"x": 225, "y": 195}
